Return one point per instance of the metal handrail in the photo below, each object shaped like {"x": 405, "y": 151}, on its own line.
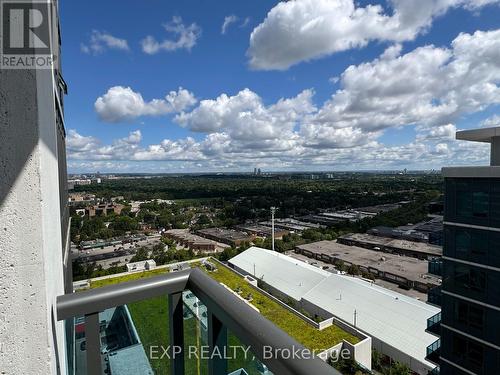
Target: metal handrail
{"x": 100, "y": 299}
{"x": 247, "y": 324}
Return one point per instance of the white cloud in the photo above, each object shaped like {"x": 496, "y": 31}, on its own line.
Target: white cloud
{"x": 244, "y": 116}
{"x": 491, "y": 121}
{"x": 444, "y": 133}
{"x": 428, "y": 89}
{"x": 185, "y": 37}
{"x": 245, "y": 22}
{"x": 333, "y": 80}
{"x": 123, "y": 104}
{"x": 101, "y": 41}
{"x": 228, "y": 20}
{"x": 218, "y": 152}
{"x": 301, "y": 30}
{"x": 428, "y": 86}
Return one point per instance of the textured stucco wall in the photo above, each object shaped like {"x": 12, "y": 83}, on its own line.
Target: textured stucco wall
{"x": 30, "y": 238}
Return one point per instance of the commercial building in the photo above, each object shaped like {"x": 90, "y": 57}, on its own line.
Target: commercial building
{"x": 329, "y": 218}
{"x": 228, "y": 236}
{"x": 469, "y": 324}
{"x": 291, "y": 225}
{"x": 430, "y": 231}
{"x": 191, "y": 241}
{"x": 407, "y": 272}
{"x": 395, "y": 323}
{"x": 262, "y": 231}
{"x": 419, "y": 250}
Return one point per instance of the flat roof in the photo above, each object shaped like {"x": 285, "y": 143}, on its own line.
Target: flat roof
{"x": 393, "y": 318}
{"x": 479, "y": 135}
{"x": 420, "y": 247}
{"x": 259, "y": 228}
{"x": 184, "y": 234}
{"x": 224, "y": 233}
{"x": 407, "y": 267}
{"x": 263, "y": 263}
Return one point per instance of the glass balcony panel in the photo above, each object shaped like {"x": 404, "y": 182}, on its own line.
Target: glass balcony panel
{"x": 242, "y": 360}
{"x": 132, "y": 338}
{"x": 76, "y": 350}
{"x": 434, "y": 324}
{"x": 195, "y": 315}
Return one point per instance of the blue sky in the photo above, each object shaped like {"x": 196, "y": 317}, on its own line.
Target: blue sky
{"x": 319, "y": 96}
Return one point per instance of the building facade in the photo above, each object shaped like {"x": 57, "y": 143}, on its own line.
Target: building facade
{"x": 34, "y": 217}
{"x": 470, "y": 318}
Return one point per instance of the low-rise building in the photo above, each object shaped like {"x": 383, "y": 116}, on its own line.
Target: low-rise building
{"x": 104, "y": 209}
{"x": 228, "y": 236}
{"x": 81, "y": 199}
{"x": 407, "y": 272}
{"x": 191, "y": 241}
{"x": 419, "y": 250}
{"x": 291, "y": 225}
{"x": 262, "y": 231}
{"x": 395, "y": 323}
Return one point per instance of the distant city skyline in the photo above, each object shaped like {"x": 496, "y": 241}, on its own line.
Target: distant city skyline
{"x": 230, "y": 86}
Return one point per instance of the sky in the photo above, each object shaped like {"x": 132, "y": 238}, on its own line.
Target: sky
{"x": 303, "y": 85}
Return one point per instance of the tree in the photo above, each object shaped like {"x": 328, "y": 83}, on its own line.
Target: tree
{"x": 141, "y": 254}
{"x": 353, "y": 270}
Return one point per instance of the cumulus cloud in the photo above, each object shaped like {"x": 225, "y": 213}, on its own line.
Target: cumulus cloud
{"x": 244, "y": 116}
{"x": 428, "y": 86}
{"x": 301, "y": 30}
{"x": 444, "y": 133}
{"x": 101, "y": 41}
{"x": 184, "y": 37}
{"x": 123, "y": 104}
{"x": 429, "y": 89}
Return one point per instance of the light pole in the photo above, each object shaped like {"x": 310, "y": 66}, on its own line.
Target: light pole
{"x": 273, "y": 211}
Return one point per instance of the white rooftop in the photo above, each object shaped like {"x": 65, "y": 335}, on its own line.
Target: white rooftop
{"x": 391, "y": 317}
{"x": 291, "y": 276}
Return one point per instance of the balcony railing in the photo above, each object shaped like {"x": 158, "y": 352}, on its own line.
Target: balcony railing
{"x": 223, "y": 312}
{"x": 434, "y": 324}
{"x": 434, "y": 296}
{"x": 434, "y": 352}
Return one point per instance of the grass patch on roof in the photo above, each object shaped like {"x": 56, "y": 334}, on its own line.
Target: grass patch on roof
{"x": 300, "y": 330}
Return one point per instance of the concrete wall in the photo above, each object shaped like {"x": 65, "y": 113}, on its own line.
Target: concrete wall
{"x": 390, "y": 351}
{"x": 31, "y": 243}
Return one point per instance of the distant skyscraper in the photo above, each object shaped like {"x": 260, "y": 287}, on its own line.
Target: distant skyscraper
{"x": 470, "y": 317}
